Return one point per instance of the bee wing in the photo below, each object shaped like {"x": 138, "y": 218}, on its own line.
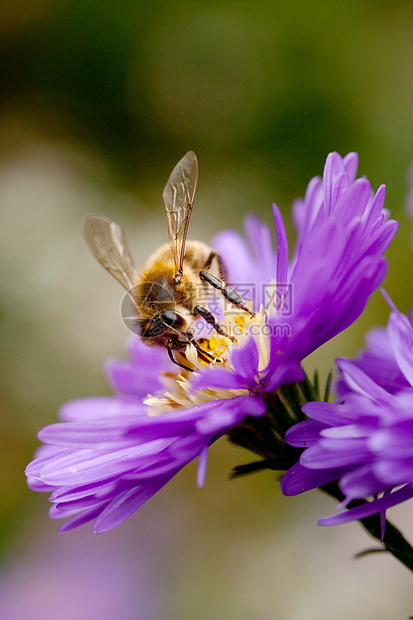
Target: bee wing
{"x": 178, "y": 195}
{"x": 108, "y": 244}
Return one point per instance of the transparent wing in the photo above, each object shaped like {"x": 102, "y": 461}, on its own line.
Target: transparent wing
{"x": 178, "y": 195}
{"x": 108, "y": 244}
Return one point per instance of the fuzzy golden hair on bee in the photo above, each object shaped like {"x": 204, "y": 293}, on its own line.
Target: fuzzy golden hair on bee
{"x": 169, "y": 291}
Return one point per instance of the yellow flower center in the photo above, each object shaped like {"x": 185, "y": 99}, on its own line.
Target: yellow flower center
{"x": 179, "y": 392}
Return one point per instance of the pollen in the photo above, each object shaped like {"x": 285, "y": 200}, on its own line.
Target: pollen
{"x": 179, "y": 392}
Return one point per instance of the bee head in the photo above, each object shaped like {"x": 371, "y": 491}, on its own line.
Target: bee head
{"x": 167, "y": 329}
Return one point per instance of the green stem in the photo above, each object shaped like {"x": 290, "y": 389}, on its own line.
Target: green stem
{"x": 265, "y": 437}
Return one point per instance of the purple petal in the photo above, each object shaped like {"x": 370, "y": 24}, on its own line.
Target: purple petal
{"x": 307, "y": 211}
{"x": 349, "y": 431}
{"x": 360, "y": 382}
{"x": 101, "y": 493}
{"x": 359, "y": 483}
{"x": 376, "y": 207}
{"x": 39, "y": 486}
{"x": 225, "y": 414}
{"x": 332, "y": 169}
{"x": 73, "y": 493}
{"x": 202, "y": 467}
{"x": 401, "y": 337}
{"x": 282, "y": 247}
{"x": 123, "y": 506}
{"x": 147, "y": 357}
{"x": 287, "y": 372}
{"x": 395, "y": 441}
{"x": 33, "y": 469}
{"x": 138, "y": 381}
{"x": 218, "y": 378}
{"x": 245, "y": 362}
{"x": 259, "y": 236}
{"x": 329, "y": 413}
{"x": 100, "y": 408}
{"x": 80, "y": 435}
{"x": 84, "y": 466}
{"x": 351, "y": 203}
{"x": 378, "y": 362}
{"x": 235, "y": 254}
{"x": 304, "y": 434}
{"x": 299, "y": 479}
{"x": 57, "y": 512}
{"x": 83, "y": 517}
{"x": 351, "y": 162}
{"x": 329, "y": 454}
{"x": 393, "y": 472}
{"x": 370, "y": 508}
{"x": 380, "y": 241}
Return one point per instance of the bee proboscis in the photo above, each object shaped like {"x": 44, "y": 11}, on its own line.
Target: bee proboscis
{"x": 167, "y": 290}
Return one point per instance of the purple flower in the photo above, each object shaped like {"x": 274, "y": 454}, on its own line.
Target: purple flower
{"x": 365, "y": 439}
{"x": 110, "y": 455}
{"x": 83, "y": 579}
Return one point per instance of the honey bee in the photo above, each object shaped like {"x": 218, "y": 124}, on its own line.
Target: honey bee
{"x": 167, "y": 291}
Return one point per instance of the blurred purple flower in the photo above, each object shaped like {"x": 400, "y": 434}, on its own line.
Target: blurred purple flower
{"x": 366, "y": 439}
{"x": 110, "y": 455}
{"x": 82, "y": 578}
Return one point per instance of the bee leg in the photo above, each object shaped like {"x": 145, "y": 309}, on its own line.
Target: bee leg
{"x": 210, "y": 319}
{"x": 232, "y": 296}
{"x": 206, "y": 355}
{"x": 222, "y": 272}
{"x": 171, "y": 357}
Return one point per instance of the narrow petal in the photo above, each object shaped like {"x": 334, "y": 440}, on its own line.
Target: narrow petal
{"x": 394, "y": 471}
{"x": 287, "y": 372}
{"x": 282, "y": 247}
{"x": 245, "y": 362}
{"x": 369, "y": 508}
{"x": 299, "y": 479}
{"x": 349, "y": 431}
{"x": 78, "y": 435}
{"x": 226, "y": 414}
{"x": 235, "y": 254}
{"x": 376, "y": 207}
{"x": 259, "y": 236}
{"x": 394, "y": 441}
{"x": 332, "y": 170}
{"x": 100, "y": 408}
{"x": 401, "y": 336}
{"x": 328, "y": 413}
{"x": 84, "y": 466}
{"x": 351, "y": 162}
{"x": 360, "y": 483}
{"x": 218, "y": 378}
{"x": 202, "y": 467}
{"x": 360, "y": 382}
{"x": 352, "y": 202}
{"x": 83, "y": 517}
{"x": 123, "y": 506}
{"x": 304, "y": 434}
{"x": 331, "y": 454}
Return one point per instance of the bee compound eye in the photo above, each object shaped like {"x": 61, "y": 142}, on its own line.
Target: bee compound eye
{"x": 154, "y": 329}
{"x": 172, "y": 319}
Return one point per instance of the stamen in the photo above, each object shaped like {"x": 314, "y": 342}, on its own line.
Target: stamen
{"x": 179, "y": 392}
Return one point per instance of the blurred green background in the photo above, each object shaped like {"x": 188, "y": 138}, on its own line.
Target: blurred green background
{"x": 98, "y": 101}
